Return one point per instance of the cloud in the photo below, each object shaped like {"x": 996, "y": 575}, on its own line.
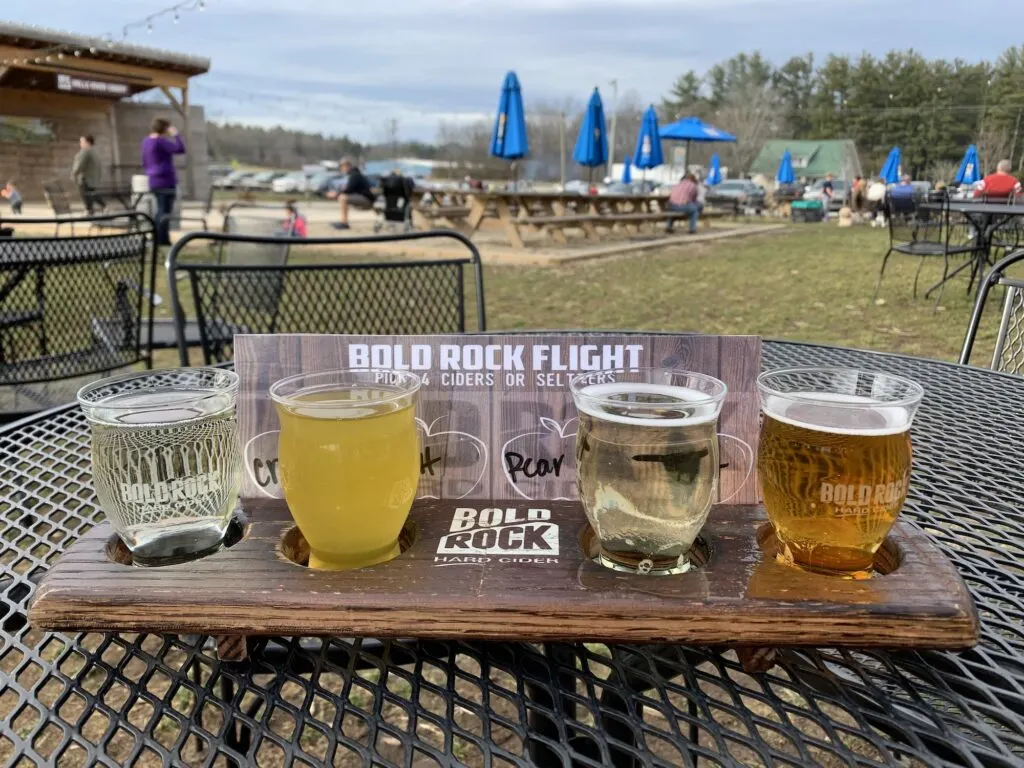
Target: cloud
{"x": 351, "y": 66}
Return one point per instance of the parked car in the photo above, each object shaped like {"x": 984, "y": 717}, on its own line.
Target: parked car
{"x": 295, "y": 182}
{"x": 261, "y": 180}
{"x": 320, "y": 183}
{"x": 233, "y": 180}
{"x": 840, "y": 193}
{"x": 741, "y": 192}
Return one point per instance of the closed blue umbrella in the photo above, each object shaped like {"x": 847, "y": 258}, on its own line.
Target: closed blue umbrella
{"x": 785, "y": 174}
{"x": 508, "y": 141}
{"x": 648, "y": 143}
{"x": 891, "y": 170}
{"x": 627, "y": 171}
{"x": 970, "y": 171}
{"x": 592, "y": 143}
{"x": 715, "y": 174}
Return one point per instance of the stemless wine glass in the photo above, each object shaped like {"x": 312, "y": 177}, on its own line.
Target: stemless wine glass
{"x": 166, "y": 462}
{"x": 834, "y": 462}
{"x": 647, "y": 462}
{"x": 349, "y": 461}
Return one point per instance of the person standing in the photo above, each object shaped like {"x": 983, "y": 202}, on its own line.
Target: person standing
{"x": 158, "y": 151}
{"x": 827, "y": 190}
{"x": 85, "y": 172}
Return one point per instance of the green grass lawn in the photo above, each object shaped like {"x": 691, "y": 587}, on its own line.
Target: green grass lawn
{"x": 810, "y": 283}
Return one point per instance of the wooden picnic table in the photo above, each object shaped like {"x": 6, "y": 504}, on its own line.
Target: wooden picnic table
{"x": 553, "y": 212}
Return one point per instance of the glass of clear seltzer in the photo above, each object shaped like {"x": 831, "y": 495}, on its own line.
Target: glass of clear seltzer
{"x": 166, "y": 461}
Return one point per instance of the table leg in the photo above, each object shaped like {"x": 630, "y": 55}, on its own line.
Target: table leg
{"x": 477, "y": 213}
{"x": 511, "y": 228}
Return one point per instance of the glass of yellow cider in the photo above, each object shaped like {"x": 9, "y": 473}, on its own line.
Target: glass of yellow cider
{"x": 349, "y": 461}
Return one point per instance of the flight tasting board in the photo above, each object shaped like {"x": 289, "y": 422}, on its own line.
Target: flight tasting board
{"x": 497, "y": 547}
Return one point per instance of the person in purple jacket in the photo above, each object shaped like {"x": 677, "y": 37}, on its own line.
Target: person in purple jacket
{"x": 158, "y": 151}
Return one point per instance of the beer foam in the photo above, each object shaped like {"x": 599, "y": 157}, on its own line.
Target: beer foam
{"x": 681, "y": 396}
{"x": 814, "y": 412}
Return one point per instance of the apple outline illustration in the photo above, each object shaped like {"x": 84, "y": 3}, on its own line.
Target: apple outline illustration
{"x": 551, "y": 427}
{"x": 250, "y": 474}
{"x": 475, "y": 441}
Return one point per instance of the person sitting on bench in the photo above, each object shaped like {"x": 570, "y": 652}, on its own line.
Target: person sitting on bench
{"x": 357, "y": 192}
{"x": 684, "y": 199}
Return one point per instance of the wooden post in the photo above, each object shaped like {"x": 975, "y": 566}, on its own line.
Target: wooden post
{"x": 115, "y": 145}
{"x": 561, "y": 147}
{"x": 190, "y": 170}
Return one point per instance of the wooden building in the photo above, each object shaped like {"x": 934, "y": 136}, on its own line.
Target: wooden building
{"x": 56, "y": 87}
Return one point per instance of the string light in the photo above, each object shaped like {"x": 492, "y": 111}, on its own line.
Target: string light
{"x": 60, "y": 50}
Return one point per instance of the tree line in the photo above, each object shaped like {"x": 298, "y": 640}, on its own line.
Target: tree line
{"x": 284, "y": 148}
{"x": 931, "y": 108}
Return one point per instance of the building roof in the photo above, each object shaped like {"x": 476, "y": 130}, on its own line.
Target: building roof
{"x": 811, "y": 158}
{"x": 98, "y": 49}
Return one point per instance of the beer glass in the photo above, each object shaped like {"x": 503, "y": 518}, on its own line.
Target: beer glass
{"x": 647, "y": 463}
{"x": 166, "y": 462}
{"x": 349, "y": 461}
{"x": 834, "y": 462}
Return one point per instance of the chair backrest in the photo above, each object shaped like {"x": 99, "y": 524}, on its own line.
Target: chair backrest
{"x": 911, "y": 221}
{"x": 321, "y": 291}
{"x": 267, "y": 223}
{"x": 57, "y": 198}
{"x": 74, "y": 307}
{"x": 1008, "y": 355}
{"x": 397, "y": 193}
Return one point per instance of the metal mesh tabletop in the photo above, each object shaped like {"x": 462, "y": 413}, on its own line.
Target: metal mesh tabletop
{"x": 70, "y": 700}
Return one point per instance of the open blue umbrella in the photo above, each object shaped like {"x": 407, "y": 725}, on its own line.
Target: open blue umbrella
{"x": 691, "y": 129}
{"x": 592, "y": 143}
{"x": 648, "y": 143}
{"x": 785, "y": 174}
{"x": 508, "y": 141}
{"x": 627, "y": 170}
{"x": 715, "y": 174}
{"x": 891, "y": 170}
{"x": 970, "y": 171}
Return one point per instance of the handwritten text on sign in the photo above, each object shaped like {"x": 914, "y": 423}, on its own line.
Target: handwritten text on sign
{"x": 495, "y": 417}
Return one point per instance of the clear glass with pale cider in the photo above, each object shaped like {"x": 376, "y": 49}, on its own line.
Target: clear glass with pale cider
{"x": 349, "y": 461}
{"x": 166, "y": 463}
{"x": 647, "y": 460}
{"x": 834, "y": 463}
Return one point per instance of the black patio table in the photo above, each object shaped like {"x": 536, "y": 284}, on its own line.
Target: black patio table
{"x": 77, "y": 699}
{"x": 986, "y": 218}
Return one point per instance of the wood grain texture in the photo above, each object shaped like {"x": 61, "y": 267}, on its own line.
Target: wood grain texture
{"x": 741, "y": 597}
{"x": 534, "y": 418}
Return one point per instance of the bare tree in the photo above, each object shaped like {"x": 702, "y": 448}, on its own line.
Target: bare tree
{"x": 753, "y": 115}
{"x": 994, "y": 143}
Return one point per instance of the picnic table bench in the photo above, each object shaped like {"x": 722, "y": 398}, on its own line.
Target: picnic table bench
{"x": 550, "y": 212}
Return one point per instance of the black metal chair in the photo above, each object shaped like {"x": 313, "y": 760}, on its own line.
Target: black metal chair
{"x": 323, "y": 294}
{"x": 273, "y": 232}
{"x": 917, "y": 230}
{"x": 72, "y": 309}
{"x": 1008, "y": 355}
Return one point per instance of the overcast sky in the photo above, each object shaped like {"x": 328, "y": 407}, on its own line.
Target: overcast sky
{"x": 350, "y": 66}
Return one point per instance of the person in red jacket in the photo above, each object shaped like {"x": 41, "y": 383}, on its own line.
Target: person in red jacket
{"x": 295, "y": 222}
{"x": 1001, "y": 184}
